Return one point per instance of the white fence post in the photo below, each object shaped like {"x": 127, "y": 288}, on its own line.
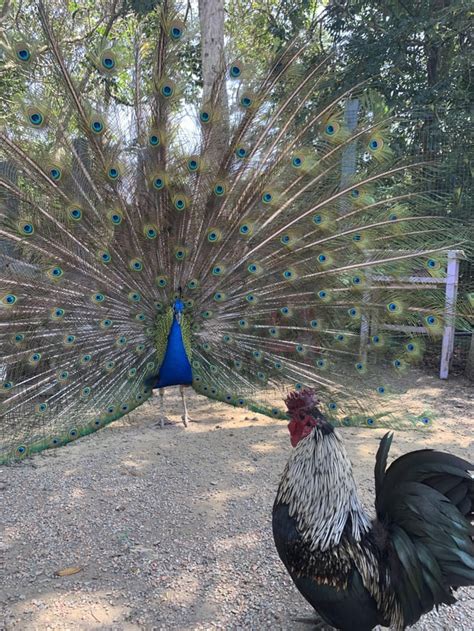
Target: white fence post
{"x": 369, "y": 325}
{"x": 452, "y": 277}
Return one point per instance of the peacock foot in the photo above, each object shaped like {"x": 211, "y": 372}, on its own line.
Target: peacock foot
{"x": 162, "y": 422}
{"x": 186, "y": 419}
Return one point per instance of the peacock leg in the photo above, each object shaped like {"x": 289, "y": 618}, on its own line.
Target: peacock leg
{"x": 185, "y": 417}
{"x": 161, "y": 392}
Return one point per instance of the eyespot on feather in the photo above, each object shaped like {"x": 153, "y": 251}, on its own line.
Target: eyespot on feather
{"x": 167, "y": 88}
{"x": 8, "y": 300}
{"x": 247, "y": 100}
{"x": 24, "y": 53}
{"x": 159, "y": 181}
{"x": 375, "y": 144}
{"x": 214, "y": 235}
{"x": 194, "y": 164}
{"x": 180, "y": 201}
{"x": 55, "y": 273}
{"x": 150, "y": 231}
{"x": 332, "y": 128}
{"x": 36, "y": 116}
{"x": 115, "y": 217}
{"x": 176, "y": 30}
{"x": 113, "y": 173}
{"x": 236, "y": 69}
{"x": 180, "y": 253}
{"x": 246, "y": 228}
{"x": 97, "y": 125}
{"x": 219, "y": 189}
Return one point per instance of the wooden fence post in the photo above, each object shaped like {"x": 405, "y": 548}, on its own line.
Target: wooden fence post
{"x": 452, "y": 277}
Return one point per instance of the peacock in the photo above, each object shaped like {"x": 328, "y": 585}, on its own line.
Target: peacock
{"x": 244, "y": 236}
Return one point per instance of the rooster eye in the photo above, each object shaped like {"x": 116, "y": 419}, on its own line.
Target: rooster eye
{"x": 302, "y": 415}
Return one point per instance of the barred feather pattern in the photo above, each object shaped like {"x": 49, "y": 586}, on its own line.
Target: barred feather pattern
{"x": 112, "y": 208}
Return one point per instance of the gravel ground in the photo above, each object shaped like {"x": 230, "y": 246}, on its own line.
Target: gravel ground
{"x": 171, "y": 528}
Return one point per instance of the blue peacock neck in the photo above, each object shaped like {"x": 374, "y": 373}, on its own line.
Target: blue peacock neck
{"x": 175, "y": 367}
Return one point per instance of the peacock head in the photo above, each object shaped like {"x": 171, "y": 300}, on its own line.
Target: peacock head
{"x": 178, "y": 306}
{"x": 304, "y": 415}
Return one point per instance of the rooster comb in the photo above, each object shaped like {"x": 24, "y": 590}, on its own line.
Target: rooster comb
{"x": 302, "y": 400}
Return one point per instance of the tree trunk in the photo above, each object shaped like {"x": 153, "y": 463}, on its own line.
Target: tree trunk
{"x": 211, "y": 18}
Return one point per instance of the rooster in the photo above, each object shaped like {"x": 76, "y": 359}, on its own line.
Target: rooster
{"x": 356, "y": 572}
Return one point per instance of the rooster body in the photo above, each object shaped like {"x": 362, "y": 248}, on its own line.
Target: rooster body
{"x": 359, "y": 573}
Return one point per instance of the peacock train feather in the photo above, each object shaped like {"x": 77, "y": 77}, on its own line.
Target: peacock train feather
{"x": 130, "y": 219}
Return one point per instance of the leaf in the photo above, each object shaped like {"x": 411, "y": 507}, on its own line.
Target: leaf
{"x": 67, "y": 571}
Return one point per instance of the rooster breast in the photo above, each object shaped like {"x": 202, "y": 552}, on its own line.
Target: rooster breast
{"x": 330, "y": 580}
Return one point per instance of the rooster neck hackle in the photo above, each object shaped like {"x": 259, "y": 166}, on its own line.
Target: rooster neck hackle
{"x": 319, "y": 488}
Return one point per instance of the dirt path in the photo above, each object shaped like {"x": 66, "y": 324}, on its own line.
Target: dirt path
{"x": 172, "y": 527}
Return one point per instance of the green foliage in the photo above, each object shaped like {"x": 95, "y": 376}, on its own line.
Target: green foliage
{"x": 419, "y": 51}
{"x": 259, "y": 27}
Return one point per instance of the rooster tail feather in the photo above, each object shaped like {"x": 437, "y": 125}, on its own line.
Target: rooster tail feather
{"x": 381, "y": 461}
{"x": 424, "y": 501}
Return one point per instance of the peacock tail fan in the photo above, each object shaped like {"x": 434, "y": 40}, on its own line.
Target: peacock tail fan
{"x": 123, "y": 193}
